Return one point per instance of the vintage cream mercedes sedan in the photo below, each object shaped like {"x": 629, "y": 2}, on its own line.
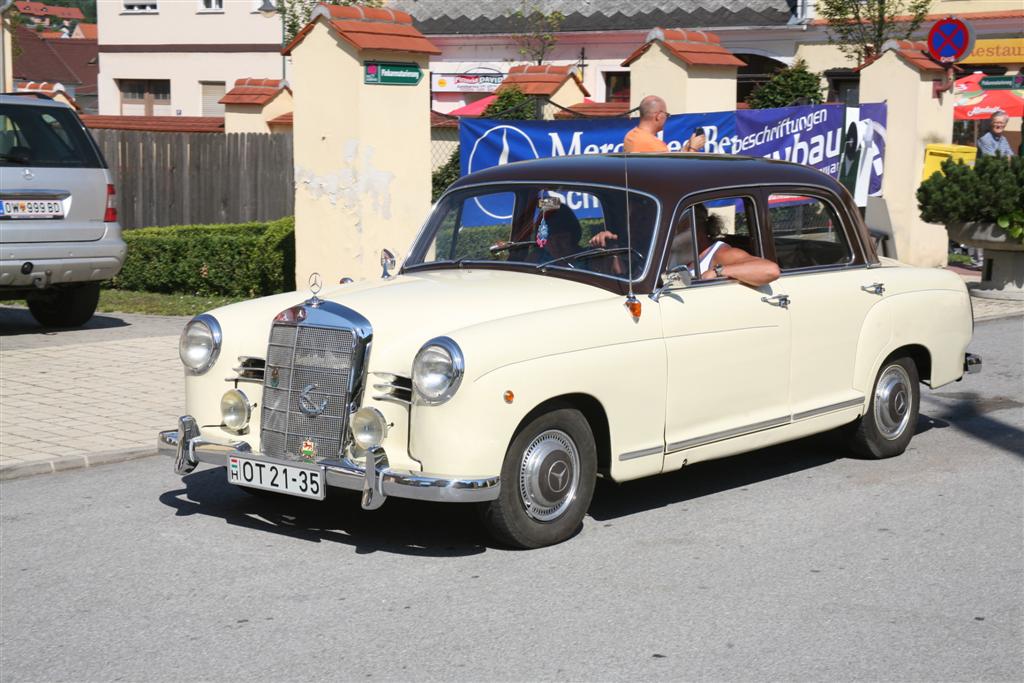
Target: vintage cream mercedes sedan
{"x": 563, "y": 319}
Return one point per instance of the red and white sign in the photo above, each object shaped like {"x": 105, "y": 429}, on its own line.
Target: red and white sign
{"x": 481, "y": 82}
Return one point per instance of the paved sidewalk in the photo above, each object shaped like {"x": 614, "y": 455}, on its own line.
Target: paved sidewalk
{"x": 100, "y": 394}
{"x": 78, "y": 398}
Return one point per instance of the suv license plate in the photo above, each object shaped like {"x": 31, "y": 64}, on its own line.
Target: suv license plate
{"x": 293, "y": 479}
{"x": 31, "y": 208}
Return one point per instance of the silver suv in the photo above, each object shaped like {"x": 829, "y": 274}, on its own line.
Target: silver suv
{"x": 59, "y": 236}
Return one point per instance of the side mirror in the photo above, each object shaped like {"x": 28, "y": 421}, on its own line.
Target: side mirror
{"x": 387, "y": 262}
{"x": 678, "y": 274}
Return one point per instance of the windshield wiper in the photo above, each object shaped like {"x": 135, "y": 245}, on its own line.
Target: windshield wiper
{"x": 598, "y": 251}
{"x": 505, "y": 246}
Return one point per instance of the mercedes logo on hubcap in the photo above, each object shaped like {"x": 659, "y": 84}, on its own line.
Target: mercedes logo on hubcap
{"x": 558, "y": 476}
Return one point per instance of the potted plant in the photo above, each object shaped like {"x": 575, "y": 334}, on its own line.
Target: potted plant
{"x": 982, "y": 206}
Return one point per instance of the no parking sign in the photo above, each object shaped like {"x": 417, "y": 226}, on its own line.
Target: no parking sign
{"x": 950, "y": 40}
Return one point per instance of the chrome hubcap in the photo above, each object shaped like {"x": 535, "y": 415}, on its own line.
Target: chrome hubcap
{"x": 892, "y": 402}
{"x": 549, "y": 475}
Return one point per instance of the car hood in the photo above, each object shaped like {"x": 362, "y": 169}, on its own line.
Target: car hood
{"x": 409, "y": 309}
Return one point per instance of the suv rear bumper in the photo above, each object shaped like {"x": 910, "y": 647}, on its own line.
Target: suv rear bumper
{"x": 55, "y": 263}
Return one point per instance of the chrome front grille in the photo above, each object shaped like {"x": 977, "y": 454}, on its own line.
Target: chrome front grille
{"x": 306, "y": 389}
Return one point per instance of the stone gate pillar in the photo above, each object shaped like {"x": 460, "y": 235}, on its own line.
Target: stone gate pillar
{"x": 361, "y": 92}
{"x": 690, "y": 70}
{"x": 903, "y": 78}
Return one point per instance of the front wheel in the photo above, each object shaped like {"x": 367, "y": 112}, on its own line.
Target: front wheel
{"x": 547, "y": 481}
{"x": 887, "y": 427}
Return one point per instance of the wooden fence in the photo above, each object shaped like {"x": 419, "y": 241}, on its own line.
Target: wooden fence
{"x": 193, "y": 178}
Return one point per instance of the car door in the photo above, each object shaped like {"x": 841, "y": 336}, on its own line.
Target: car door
{"x": 727, "y": 344}
{"x": 831, "y": 291}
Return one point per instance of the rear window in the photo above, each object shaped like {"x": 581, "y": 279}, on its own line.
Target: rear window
{"x": 44, "y": 136}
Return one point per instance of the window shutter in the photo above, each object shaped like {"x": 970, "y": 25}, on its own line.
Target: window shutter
{"x": 211, "y": 93}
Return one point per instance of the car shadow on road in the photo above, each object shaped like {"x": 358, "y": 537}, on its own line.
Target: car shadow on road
{"x": 399, "y": 526}
{"x": 970, "y": 412}
{"x": 16, "y": 321}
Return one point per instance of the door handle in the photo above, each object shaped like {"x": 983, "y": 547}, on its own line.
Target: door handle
{"x": 875, "y": 288}
{"x": 780, "y": 300}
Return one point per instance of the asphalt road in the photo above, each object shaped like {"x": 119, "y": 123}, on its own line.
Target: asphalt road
{"x": 791, "y": 563}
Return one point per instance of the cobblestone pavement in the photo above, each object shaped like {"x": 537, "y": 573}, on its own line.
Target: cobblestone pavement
{"x": 75, "y": 398}
{"x": 100, "y": 394}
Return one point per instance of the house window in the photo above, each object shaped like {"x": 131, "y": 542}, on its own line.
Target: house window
{"x": 211, "y": 5}
{"x": 140, "y": 97}
{"x": 616, "y": 86}
{"x": 212, "y": 92}
{"x": 140, "y": 5}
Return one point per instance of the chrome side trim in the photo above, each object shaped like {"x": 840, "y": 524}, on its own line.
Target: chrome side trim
{"x": 853, "y": 402}
{"x": 343, "y": 473}
{"x": 654, "y": 450}
{"x": 396, "y": 388}
{"x": 727, "y": 434}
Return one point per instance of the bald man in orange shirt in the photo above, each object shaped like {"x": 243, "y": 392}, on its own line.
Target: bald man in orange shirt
{"x": 644, "y": 138}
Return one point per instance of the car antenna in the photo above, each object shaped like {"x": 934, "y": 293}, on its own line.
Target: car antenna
{"x": 632, "y": 304}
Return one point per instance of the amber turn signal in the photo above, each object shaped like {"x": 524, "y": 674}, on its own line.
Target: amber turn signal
{"x": 509, "y": 397}
{"x": 634, "y": 307}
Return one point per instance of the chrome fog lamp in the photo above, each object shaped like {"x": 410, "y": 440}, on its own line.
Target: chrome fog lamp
{"x": 369, "y": 427}
{"x": 437, "y": 371}
{"x": 235, "y": 410}
{"x": 200, "y": 344}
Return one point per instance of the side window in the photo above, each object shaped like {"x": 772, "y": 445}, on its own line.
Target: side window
{"x": 471, "y": 227}
{"x": 806, "y": 232}
{"x": 704, "y": 225}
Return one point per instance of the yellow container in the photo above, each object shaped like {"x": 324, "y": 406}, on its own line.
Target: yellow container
{"x": 935, "y": 154}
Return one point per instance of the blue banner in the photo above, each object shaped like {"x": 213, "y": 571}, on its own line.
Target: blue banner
{"x": 847, "y": 143}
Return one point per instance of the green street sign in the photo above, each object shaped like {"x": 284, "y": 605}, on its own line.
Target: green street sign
{"x": 389, "y": 73}
{"x": 999, "y": 83}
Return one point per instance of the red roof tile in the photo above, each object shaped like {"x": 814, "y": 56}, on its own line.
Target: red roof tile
{"x": 46, "y": 88}
{"x": 369, "y": 28}
{"x": 257, "y": 91}
{"x": 158, "y": 124}
{"x": 543, "y": 80}
{"x": 50, "y": 35}
{"x": 696, "y": 48}
{"x": 439, "y": 120}
{"x": 914, "y": 53}
{"x": 283, "y": 120}
{"x": 39, "y": 9}
{"x": 89, "y": 31}
{"x": 595, "y": 110}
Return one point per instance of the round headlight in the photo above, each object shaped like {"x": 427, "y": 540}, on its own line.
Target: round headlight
{"x": 369, "y": 427}
{"x": 437, "y": 370}
{"x": 235, "y": 410}
{"x": 199, "y": 344}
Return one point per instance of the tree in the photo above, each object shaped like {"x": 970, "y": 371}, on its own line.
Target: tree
{"x": 789, "y": 86}
{"x": 295, "y": 13}
{"x": 861, "y": 27}
{"x": 538, "y": 32}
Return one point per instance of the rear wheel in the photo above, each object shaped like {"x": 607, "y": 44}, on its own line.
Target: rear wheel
{"x": 65, "y": 306}
{"x": 547, "y": 481}
{"x": 889, "y": 424}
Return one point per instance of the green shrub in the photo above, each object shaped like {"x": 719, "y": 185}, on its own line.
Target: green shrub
{"x": 789, "y": 86}
{"x": 992, "y": 191}
{"x": 245, "y": 259}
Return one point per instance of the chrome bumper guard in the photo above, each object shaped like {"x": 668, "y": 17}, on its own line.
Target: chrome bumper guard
{"x": 972, "y": 363}
{"x": 188, "y": 448}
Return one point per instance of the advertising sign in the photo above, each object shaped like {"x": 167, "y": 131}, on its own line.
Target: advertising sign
{"x": 846, "y": 143}
{"x": 482, "y": 82}
{"x": 391, "y": 73}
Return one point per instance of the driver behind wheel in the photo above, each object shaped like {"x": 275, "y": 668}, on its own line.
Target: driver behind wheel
{"x": 563, "y": 235}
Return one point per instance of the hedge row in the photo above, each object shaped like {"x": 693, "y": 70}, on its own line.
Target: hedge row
{"x": 246, "y": 259}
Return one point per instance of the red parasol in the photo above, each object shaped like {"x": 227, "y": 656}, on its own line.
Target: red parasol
{"x": 474, "y": 108}
{"x": 973, "y": 103}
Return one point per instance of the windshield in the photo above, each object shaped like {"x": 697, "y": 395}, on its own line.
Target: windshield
{"x": 544, "y": 227}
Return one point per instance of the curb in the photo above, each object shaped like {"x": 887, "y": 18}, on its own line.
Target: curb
{"x": 73, "y": 462}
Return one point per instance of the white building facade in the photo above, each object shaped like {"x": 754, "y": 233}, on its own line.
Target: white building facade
{"x": 179, "y": 57}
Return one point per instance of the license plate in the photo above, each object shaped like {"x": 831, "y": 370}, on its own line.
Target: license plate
{"x": 293, "y": 479}
{"x": 31, "y": 208}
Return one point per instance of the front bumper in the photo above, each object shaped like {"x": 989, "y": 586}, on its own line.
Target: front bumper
{"x": 188, "y": 448}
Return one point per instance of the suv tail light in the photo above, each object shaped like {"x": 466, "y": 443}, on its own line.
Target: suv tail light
{"x": 110, "y": 215}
